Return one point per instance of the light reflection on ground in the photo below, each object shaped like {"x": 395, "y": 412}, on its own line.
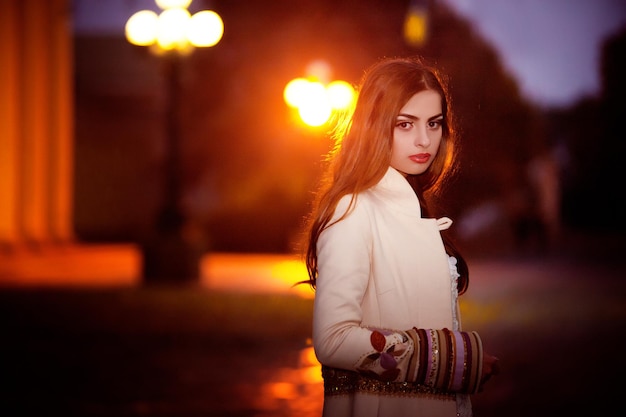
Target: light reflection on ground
{"x": 290, "y": 392}
{"x": 79, "y": 265}
{"x": 287, "y": 391}
{"x": 120, "y": 265}
{"x": 273, "y": 273}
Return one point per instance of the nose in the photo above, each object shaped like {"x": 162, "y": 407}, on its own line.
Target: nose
{"x": 421, "y": 137}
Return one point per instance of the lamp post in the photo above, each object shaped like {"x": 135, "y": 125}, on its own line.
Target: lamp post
{"x": 172, "y": 35}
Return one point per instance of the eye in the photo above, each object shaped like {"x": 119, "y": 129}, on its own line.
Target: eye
{"x": 404, "y": 124}
{"x": 435, "y": 124}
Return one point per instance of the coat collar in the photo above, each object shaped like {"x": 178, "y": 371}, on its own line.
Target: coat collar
{"x": 395, "y": 191}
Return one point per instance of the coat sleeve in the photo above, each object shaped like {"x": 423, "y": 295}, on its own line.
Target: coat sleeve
{"x": 343, "y": 257}
{"x": 440, "y": 358}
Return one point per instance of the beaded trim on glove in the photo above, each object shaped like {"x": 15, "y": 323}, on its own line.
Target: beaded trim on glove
{"x": 342, "y": 382}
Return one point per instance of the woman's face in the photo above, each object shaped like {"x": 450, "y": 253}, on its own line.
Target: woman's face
{"x": 417, "y": 133}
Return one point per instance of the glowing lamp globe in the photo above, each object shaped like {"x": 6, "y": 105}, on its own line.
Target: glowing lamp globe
{"x": 340, "y": 94}
{"x": 141, "y": 28}
{"x": 206, "y": 28}
{"x": 170, "y": 4}
{"x": 172, "y": 28}
{"x": 295, "y": 91}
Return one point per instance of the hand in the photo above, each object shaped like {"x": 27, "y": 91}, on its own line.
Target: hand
{"x": 490, "y": 367}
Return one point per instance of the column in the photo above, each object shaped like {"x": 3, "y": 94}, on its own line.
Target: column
{"x": 36, "y": 146}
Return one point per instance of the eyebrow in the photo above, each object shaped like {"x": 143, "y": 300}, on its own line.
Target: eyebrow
{"x": 410, "y": 116}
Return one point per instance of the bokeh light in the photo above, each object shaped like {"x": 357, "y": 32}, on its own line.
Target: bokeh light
{"x": 172, "y": 28}
{"x": 314, "y": 108}
{"x": 315, "y": 102}
{"x": 141, "y": 28}
{"x": 319, "y": 70}
{"x": 416, "y": 26}
{"x": 340, "y": 94}
{"x": 294, "y": 91}
{"x": 206, "y": 28}
{"x": 168, "y": 4}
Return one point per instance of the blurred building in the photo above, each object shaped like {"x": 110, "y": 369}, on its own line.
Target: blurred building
{"x": 36, "y": 138}
{"x": 37, "y": 239}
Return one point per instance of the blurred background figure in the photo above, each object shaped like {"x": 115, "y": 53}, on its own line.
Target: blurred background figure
{"x": 544, "y": 178}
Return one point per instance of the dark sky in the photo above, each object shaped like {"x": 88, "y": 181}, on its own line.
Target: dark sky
{"x": 552, "y": 47}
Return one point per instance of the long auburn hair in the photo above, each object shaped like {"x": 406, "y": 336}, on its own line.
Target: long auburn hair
{"x": 362, "y": 151}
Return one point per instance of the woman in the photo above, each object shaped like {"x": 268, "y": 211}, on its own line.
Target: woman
{"x": 386, "y": 325}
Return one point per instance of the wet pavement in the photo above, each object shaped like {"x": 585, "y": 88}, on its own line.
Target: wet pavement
{"x": 223, "y": 349}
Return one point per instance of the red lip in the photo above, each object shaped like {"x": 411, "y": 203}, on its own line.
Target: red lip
{"x": 420, "y": 158}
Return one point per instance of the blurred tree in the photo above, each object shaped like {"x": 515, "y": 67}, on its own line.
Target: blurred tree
{"x": 613, "y": 109}
{"x": 595, "y": 135}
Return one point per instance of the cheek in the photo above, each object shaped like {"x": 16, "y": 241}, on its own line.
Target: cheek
{"x": 399, "y": 146}
{"x": 440, "y": 148}
{"x": 435, "y": 136}
{"x": 396, "y": 141}
{"x": 394, "y": 151}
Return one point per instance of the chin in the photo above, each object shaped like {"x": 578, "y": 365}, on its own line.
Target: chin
{"x": 414, "y": 172}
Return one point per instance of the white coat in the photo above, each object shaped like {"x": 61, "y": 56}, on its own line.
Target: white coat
{"x": 382, "y": 267}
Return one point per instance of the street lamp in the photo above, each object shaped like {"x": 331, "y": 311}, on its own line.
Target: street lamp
{"x": 172, "y": 34}
{"x": 174, "y": 29}
{"x": 315, "y": 98}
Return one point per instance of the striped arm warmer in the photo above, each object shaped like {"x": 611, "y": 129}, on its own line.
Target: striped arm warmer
{"x": 446, "y": 360}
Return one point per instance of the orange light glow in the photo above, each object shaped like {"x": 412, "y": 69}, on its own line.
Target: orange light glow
{"x": 282, "y": 390}
{"x": 315, "y": 108}
{"x": 292, "y": 391}
{"x": 308, "y": 358}
{"x": 340, "y": 94}
{"x": 294, "y": 91}
{"x": 416, "y": 26}
{"x": 291, "y": 272}
{"x": 319, "y": 70}
{"x": 315, "y": 101}
{"x": 82, "y": 265}
{"x": 272, "y": 273}
{"x": 312, "y": 375}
